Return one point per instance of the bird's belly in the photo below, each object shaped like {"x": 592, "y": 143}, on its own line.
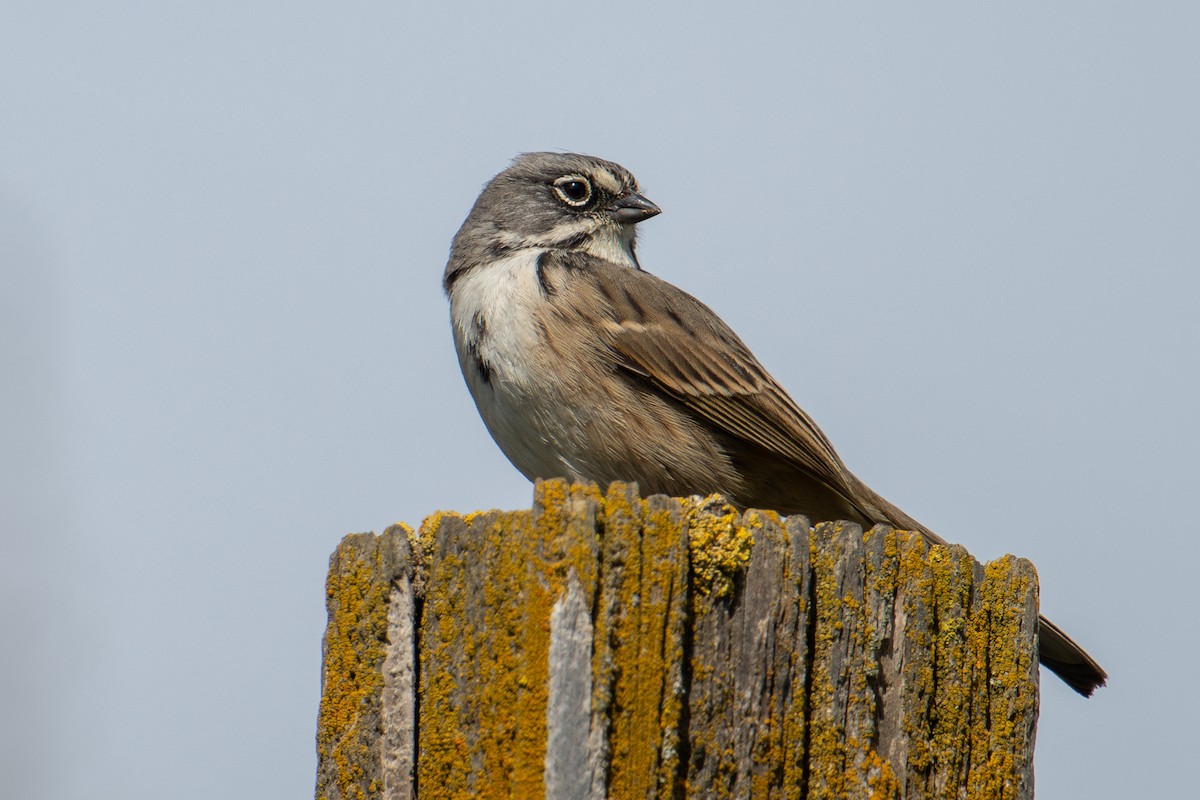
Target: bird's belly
{"x": 563, "y": 424}
{"x": 531, "y": 435}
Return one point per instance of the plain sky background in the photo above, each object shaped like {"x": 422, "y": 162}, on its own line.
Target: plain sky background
{"x": 966, "y": 238}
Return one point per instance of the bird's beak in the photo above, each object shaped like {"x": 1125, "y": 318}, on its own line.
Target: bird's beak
{"x": 633, "y": 208}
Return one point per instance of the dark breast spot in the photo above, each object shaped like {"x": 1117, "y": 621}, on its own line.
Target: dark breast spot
{"x": 475, "y": 348}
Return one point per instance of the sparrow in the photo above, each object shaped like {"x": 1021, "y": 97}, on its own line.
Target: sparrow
{"x": 585, "y": 366}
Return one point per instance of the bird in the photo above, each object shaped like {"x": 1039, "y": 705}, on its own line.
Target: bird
{"x": 585, "y": 366}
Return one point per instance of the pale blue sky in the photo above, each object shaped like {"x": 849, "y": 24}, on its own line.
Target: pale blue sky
{"x": 965, "y": 238}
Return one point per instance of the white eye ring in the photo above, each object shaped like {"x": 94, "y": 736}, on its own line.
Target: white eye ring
{"x": 574, "y": 190}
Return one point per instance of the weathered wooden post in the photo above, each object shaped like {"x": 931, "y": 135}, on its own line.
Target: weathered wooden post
{"x": 609, "y": 646}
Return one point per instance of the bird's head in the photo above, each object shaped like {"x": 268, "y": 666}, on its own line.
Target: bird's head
{"x": 555, "y": 201}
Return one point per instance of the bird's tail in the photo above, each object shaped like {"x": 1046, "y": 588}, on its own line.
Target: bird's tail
{"x": 1061, "y": 655}
{"x": 1056, "y": 651}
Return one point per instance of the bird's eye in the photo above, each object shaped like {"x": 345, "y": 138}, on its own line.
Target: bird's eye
{"x": 573, "y": 190}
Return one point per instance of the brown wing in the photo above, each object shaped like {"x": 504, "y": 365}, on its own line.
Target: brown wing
{"x": 677, "y": 343}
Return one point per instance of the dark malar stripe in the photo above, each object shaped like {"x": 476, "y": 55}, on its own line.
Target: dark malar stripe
{"x": 543, "y": 281}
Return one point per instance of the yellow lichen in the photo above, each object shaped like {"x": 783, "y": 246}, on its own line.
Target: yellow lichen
{"x": 1009, "y": 698}
{"x": 646, "y": 644}
{"x": 718, "y": 544}
{"x": 513, "y": 674}
{"x": 444, "y": 748}
{"x": 852, "y": 583}
{"x": 355, "y": 643}
{"x": 881, "y": 779}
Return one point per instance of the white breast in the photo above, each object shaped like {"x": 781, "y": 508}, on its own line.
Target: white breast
{"x": 501, "y": 298}
{"x": 493, "y": 311}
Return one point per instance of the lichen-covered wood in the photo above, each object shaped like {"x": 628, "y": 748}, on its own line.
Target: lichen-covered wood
{"x": 366, "y": 722}
{"x": 602, "y": 645}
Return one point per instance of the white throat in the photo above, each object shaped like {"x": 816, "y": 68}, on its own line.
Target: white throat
{"x": 613, "y": 244}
